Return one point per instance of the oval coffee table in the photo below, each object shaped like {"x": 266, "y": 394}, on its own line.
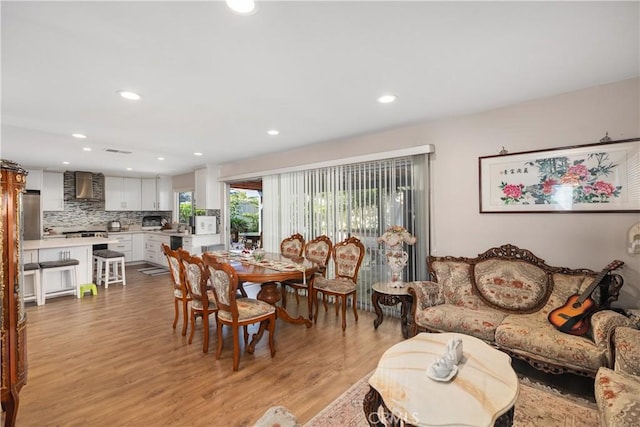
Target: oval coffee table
{"x": 482, "y": 393}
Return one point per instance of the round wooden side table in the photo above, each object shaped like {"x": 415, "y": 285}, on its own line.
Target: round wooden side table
{"x": 386, "y": 295}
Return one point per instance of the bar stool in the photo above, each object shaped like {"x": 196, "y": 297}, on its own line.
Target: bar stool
{"x": 108, "y": 262}
{"x": 33, "y": 269}
{"x": 69, "y": 265}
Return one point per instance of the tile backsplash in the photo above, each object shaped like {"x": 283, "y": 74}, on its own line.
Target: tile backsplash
{"x": 91, "y": 213}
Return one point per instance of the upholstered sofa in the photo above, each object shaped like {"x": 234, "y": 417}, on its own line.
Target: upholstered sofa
{"x": 504, "y": 297}
{"x": 617, "y": 391}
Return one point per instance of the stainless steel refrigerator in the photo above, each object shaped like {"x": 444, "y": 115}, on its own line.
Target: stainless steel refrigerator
{"x": 31, "y": 215}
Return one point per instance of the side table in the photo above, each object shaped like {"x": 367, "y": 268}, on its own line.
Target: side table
{"x": 383, "y": 294}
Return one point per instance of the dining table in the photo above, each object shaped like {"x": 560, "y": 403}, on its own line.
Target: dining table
{"x": 269, "y": 269}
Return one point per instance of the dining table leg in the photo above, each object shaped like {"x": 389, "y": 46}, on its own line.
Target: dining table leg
{"x": 270, "y": 293}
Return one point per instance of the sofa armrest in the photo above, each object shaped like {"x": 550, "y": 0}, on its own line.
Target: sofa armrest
{"x": 603, "y": 323}
{"x": 425, "y": 294}
{"x": 626, "y": 343}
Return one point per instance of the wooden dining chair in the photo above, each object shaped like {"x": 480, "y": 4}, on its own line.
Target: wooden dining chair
{"x": 347, "y": 256}
{"x": 181, "y": 294}
{"x": 292, "y": 245}
{"x": 203, "y": 302}
{"x": 317, "y": 251}
{"x": 235, "y": 312}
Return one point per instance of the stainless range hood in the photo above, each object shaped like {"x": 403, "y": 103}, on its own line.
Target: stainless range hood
{"x": 84, "y": 185}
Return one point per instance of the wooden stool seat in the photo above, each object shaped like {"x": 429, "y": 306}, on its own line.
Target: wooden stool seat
{"x": 62, "y": 265}
{"x": 106, "y": 259}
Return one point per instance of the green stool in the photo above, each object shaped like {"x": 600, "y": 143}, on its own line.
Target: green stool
{"x": 88, "y": 287}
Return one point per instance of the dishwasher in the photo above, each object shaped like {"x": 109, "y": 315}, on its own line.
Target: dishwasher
{"x": 175, "y": 242}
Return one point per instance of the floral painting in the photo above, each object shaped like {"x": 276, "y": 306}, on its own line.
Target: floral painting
{"x": 598, "y": 177}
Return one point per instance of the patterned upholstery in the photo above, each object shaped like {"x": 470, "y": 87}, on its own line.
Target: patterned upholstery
{"x": 202, "y": 300}
{"x": 617, "y": 391}
{"x": 317, "y": 251}
{"x": 347, "y": 256}
{"x": 292, "y": 246}
{"x": 504, "y": 297}
{"x": 234, "y": 312}
{"x": 181, "y": 295}
{"x": 249, "y": 309}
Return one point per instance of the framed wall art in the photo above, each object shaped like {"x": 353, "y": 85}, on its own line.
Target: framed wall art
{"x": 601, "y": 177}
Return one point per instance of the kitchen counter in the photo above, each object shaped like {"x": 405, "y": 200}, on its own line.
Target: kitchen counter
{"x": 65, "y": 243}
{"x": 158, "y": 232}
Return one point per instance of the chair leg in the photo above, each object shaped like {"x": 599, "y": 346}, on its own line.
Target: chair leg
{"x": 205, "y": 325}
{"x": 355, "y": 308}
{"x": 315, "y": 302}
{"x": 324, "y": 302}
{"x": 310, "y": 302}
{"x": 297, "y": 296}
{"x": 283, "y": 289}
{"x": 241, "y": 289}
{"x": 272, "y": 331}
{"x": 335, "y": 299}
{"x": 236, "y": 348}
{"x": 344, "y": 311}
{"x": 175, "y": 317}
{"x": 193, "y": 325}
{"x": 219, "y": 347}
{"x": 124, "y": 276}
{"x": 246, "y": 336}
{"x": 185, "y": 318}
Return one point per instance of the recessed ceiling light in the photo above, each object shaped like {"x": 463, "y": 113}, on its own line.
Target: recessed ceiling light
{"x": 197, "y": 154}
{"x": 160, "y": 158}
{"x": 87, "y": 149}
{"x": 65, "y": 163}
{"x": 243, "y": 7}
{"x": 386, "y": 99}
{"x": 132, "y": 96}
{"x": 129, "y": 169}
{"x": 79, "y": 135}
{"x": 273, "y": 132}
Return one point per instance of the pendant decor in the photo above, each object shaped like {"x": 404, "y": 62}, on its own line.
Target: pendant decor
{"x": 397, "y": 257}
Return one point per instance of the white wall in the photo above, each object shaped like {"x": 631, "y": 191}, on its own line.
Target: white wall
{"x": 585, "y": 240}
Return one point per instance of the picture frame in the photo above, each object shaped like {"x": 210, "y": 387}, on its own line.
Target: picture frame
{"x": 600, "y": 177}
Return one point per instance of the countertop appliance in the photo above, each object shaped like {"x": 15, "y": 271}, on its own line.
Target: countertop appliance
{"x": 151, "y": 222}
{"x": 114, "y": 226}
{"x": 205, "y": 224}
{"x": 31, "y": 215}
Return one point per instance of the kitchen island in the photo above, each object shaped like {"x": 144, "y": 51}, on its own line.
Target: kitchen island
{"x": 81, "y": 248}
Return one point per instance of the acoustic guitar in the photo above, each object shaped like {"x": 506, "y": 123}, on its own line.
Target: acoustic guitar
{"x": 572, "y": 317}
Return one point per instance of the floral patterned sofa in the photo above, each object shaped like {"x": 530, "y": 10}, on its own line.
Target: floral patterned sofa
{"x": 617, "y": 391}
{"x": 504, "y": 297}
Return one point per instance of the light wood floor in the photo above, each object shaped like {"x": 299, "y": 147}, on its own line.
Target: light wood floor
{"x": 114, "y": 360}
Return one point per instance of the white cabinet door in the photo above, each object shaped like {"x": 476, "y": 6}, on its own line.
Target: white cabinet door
{"x": 156, "y": 194}
{"x": 131, "y": 194}
{"x": 207, "y": 191}
{"x": 121, "y": 194}
{"x": 164, "y": 186}
{"x": 149, "y": 197}
{"x": 113, "y": 193}
{"x": 34, "y": 179}
{"x": 52, "y": 195}
{"x": 137, "y": 247}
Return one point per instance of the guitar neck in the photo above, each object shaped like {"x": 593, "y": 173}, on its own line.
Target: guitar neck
{"x": 596, "y": 281}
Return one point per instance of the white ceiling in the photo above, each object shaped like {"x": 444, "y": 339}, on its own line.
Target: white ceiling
{"x": 215, "y": 82}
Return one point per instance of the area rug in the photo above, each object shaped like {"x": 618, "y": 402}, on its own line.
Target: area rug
{"x": 537, "y": 405}
{"x": 154, "y": 271}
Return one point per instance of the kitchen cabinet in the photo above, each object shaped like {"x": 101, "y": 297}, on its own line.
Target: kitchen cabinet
{"x": 156, "y": 194}
{"x": 123, "y": 245}
{"x": 122, "y": 194}
{"x": 153, "y": 248}
{"x": 34, "y": 179}
{"x": 137, "y": 246}
{"x": 207, "y": 192}
{"x": 52, "y": 195}
{"x": 194, "y": 243}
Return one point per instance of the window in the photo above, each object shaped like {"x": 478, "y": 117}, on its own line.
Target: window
{"x": 360, "y": 200}
{"x": 186, "y": 209}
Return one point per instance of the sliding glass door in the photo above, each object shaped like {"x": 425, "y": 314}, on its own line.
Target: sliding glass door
{"x": 360, "y": 200}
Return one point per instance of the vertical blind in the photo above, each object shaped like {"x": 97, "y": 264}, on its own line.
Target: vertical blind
{"x": 360, "y": 200}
